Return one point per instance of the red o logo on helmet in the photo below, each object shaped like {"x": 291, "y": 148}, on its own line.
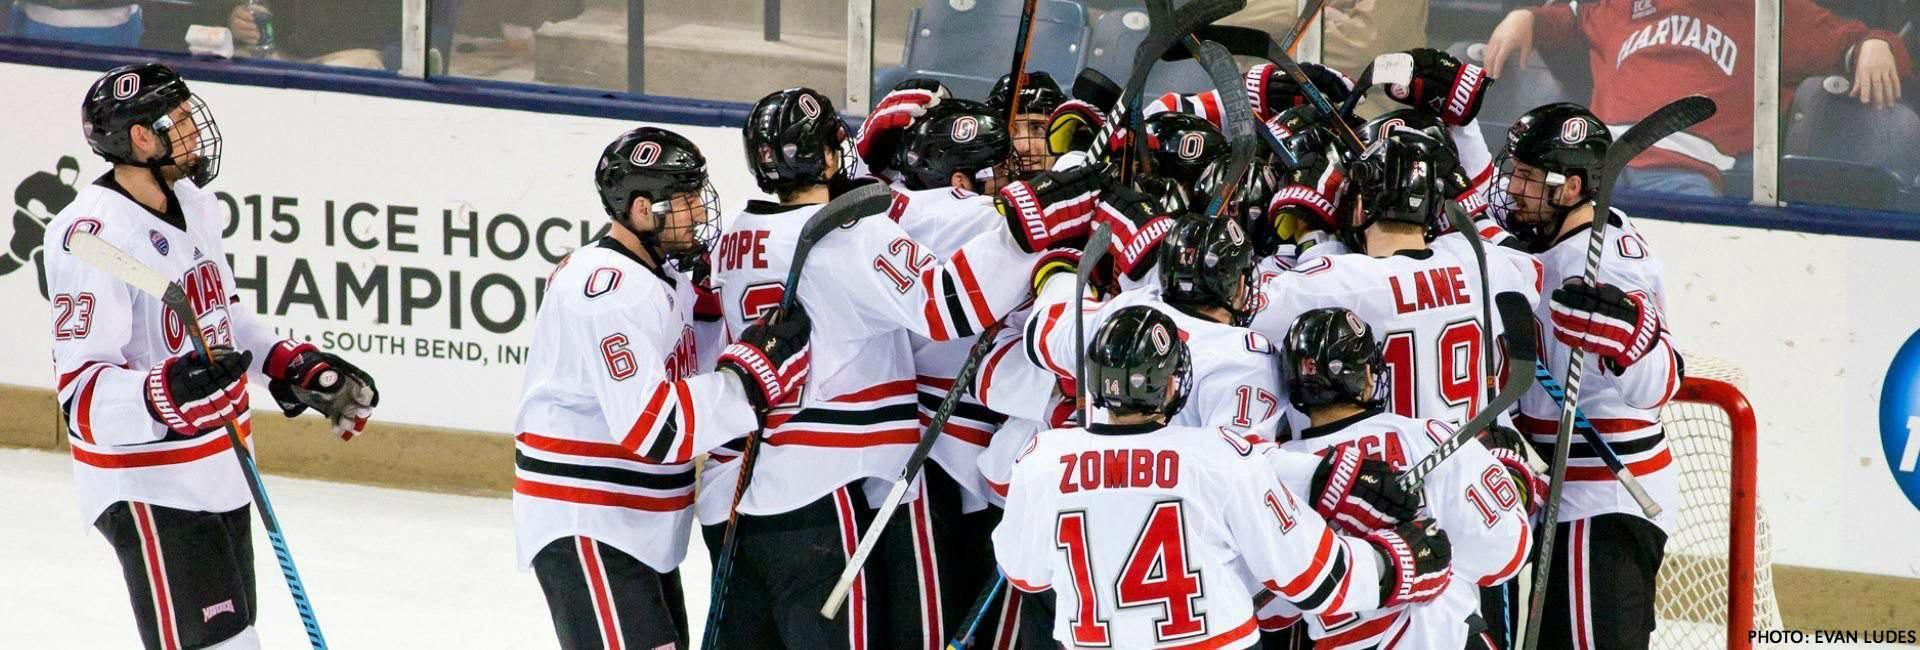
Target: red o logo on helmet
{"x": 1234, "y": 234}
{"x": 1573, "y": 131}
{"x": 126, "y": 86}
{"x": 1162, "y": 341}
{"x": 809, "y": 106}
{"x": 1389, "y": 126}
{"x": 1191, "y": 145}
{"x": 645, "y": 154}
{"x": 965, "y": 128}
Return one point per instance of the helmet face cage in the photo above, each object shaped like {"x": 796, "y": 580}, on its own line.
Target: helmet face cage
{"x": 689, "y": 224}
{"x": 1030, "y": 128}
{"x": 193, "y": 144}
{"x": 1522, "y": 197}
{"x": 1546, "y": 147}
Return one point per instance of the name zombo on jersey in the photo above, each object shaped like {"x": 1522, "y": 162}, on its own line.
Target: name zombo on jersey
{"x": 1900, "y": 418}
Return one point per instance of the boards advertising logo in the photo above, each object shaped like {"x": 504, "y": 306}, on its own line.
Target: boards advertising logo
{"x": 37, "y": 198}
{"x": 1900, "y": 418}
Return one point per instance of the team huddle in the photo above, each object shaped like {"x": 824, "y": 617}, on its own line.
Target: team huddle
{"x": 1062, "y": 371}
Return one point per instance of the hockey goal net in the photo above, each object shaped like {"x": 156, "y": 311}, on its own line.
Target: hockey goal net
{"x": 1717, "y": 581}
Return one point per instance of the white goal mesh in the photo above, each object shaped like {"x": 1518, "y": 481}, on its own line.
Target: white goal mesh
{"x": 1711, "y": 431}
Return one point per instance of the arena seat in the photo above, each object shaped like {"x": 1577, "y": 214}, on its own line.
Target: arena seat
{"x": 1839, "y": 151}
{"x": 948, "y": 40}
{"x": 1116, "y": 37}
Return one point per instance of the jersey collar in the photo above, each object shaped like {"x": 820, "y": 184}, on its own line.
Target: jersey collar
{"x": 1337, "y": 425}
{"x": 1613, "y": 221}
{"x": 1103, "y": 429}
{"x": 759, "y": 206}
{"x": 609, "y": 244}
{"x": 173, "y": 216}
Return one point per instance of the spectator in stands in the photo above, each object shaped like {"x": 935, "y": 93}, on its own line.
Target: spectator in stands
{"x": 1645, "y": 54}
{"x": 114, "y": 23}
{"x": 1356, "y": 30}
{"x": 348, "y": 33}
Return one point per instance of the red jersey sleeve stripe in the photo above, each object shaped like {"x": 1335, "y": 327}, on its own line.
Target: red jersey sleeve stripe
{"x": 981, "y": 311}
{"x": 1297, "y": 587}
{"x": 644, "y": 425}
{"x": 1513, "y": 564}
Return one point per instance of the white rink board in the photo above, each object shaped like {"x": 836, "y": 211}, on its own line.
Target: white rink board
{"x": 407, "y": 165}
{"x": 1813, "y": 319}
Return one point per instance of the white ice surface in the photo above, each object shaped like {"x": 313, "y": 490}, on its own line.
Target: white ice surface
{"x": 384, "y": 568}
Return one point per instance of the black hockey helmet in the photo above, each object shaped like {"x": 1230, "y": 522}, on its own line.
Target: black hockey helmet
{"x": 1038, "y": 96}
{"x": 1205, "y": 263}
{"x": 1405, "y": 175}
{"x": 1138, "y": 363}
{"x": 660, "y": 166}
{"x": 1545, "y": 147}
{"x": 1182, "y": 144}
{"x": 151, "y": 95}
{"x": 956, "y": 135}
{"x": 1331, "y": 356}
{"x": 787, "y": 137}
{"x": 1247, "y": 205}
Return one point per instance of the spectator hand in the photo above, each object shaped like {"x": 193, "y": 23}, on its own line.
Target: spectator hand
{"x": 1511, "y": 40}
{"x": 1876, "y": 74}
{"x": 240, "y": 21}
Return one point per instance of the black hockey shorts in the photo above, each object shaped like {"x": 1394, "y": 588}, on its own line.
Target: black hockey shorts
{"x": 783, "y": 569}
{"x": 189, "y": 573}
{"x": 934, "y": 562}
{"x": 1601, "y": 592}
{"x": 600, "y": 597}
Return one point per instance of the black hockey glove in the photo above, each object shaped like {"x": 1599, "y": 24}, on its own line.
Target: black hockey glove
{"x": 1621, "y": 327}
{"x": 192, "y": 396}
{"x": 1419, "y": 562}
{"x": 302, "y": 377}
{"x": 771, "y": 358}
{"x": 1360, "y": 495}
{"x": 1510, "y": 448}
{"x": 1442, "y": 86}
{"x": 1271, "y": 90}
{"x": 1054, "y": 209}
{"x": 1138, "y": 222}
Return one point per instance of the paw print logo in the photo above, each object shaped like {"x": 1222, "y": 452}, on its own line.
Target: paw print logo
{"x": 40, "y": 196}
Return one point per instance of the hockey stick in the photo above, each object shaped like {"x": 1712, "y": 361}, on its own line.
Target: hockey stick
{"x": 979, "y": 611}
{"x": 1522, "y": 348}
{"x": 1457, "y": 217}
{"x": 1096, "y": 248}
{"x": 961, "y": 381}
{"x": 841, "y": 212}
{"x": 1165, "y": 28}
{"x": 1600, "y": 446}
{"x": 1236, "y": 118}
{"x": 1017, "y": 79}
{"x": 103, "y": 256}
{"x": 1664, "y": 121}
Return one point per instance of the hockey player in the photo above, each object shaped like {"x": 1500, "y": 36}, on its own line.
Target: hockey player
{"x": 1424, "y": 300}
{"x": 145, "y": 413}
{"x": 1183, "y": 145}
{"x": 1334, "y": 371}
{"x": 1152, "y": 534}
{"x": 616, "y": 403}
{"x": 1032, "y": 126}
{"x": 1606, "y": 550}
{"x": 869, "y": 288}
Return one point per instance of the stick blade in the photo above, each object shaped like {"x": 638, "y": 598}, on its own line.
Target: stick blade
{"x": 1523, "y": 336}
{"x": 1667, "y": 120}
{"x": 99, "y": 254}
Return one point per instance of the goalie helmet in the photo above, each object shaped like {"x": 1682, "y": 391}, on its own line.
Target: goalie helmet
{"x": 668, "y": 171}
{"x": 787, "y": 137}
{"x": 956, "y": 135}
{"x": 1138, "y": 364}
{"x": 1546, "y": 147}
{"x": 1331, "y": 358}
{"x": 1182, "y": 145}
{"x": 1207, "y": 263}
{"x": 151, "y": 95}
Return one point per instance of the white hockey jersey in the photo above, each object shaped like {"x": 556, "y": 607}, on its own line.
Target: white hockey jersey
{"x": 1424, "y": 305}
{"x": 106, "y": 335}
{"x": 1236, "y": 381}
{"x": 944, "y": 219}
{"x": 615, "y": 406}
{"x": 1156, "y": 537}
{"x": 1473, "y": 499}
{"x": 868, "y": 289}
{"x": 1625, "y": 408}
